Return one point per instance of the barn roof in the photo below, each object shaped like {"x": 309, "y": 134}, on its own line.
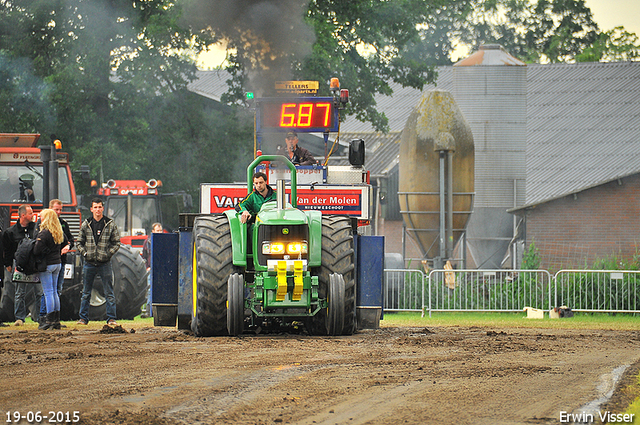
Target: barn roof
{"x": 583, "y": 127}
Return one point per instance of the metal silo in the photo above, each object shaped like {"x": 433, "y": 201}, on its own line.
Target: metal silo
{"x": 490, "y": 86}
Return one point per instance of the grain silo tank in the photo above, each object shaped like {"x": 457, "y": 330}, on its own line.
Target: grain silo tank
{"x": 436, "y": 125}
{"x": 491, "y": 88}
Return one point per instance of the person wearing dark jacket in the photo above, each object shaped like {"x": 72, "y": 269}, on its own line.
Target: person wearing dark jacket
{"x": 98, "y": 241}
{"x": 296, "y": 154}
{"x": 24, "y": 228}
{"x": 56, "y": 205}
{"x": 48, "y": 246}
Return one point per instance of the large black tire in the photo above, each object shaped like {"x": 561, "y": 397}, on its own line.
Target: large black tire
{"x": 235, "y": 309}
{"x": 130, "y": 282}
{"x": 336, "y": 309}
{"x": 212, "y": 265}
{"x": 129, "y": 288}
{"x": 337, "y": 257}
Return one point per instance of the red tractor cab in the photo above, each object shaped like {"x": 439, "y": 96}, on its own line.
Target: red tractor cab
{"x": 134, "y": 205}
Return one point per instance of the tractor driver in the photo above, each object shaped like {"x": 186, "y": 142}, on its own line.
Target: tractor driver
{"x": 296, "y": 154}
{"x": 262, "y": 193}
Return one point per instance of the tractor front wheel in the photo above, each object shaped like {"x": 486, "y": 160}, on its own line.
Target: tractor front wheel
{"x": 337, "y": 259}
{"x": 212, "y": 268}
{"x": 335, "y": 311}
{"x": 235, "y": 309}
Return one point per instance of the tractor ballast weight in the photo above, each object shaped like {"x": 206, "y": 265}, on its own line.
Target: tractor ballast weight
{"x": 290, "y": 266}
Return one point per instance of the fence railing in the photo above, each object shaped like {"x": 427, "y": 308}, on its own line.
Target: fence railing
{"x": 614, "y": 291}
{"x": 404, "y": 290}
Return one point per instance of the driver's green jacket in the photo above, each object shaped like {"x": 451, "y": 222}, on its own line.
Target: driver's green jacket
{"x": 254, "y": 201}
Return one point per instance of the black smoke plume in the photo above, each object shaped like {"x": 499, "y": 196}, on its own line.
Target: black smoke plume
{"x": 268, "y": 35}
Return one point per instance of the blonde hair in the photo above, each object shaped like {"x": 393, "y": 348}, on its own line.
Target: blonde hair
{"x": 49, "y": 221}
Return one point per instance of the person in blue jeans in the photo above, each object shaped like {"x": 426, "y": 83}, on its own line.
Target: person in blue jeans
{"x": 98, "y": 241}
{"x": 11, "y": 237}
{"x": 56, "y": 205}
{"x": 48, "y": 246}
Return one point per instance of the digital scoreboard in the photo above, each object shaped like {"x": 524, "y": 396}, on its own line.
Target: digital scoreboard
{"x": 300, "y": 114}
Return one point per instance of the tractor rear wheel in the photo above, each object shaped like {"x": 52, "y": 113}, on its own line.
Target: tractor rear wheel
{"x": 130, "y": 282}
{"x": 212, "y": 267}
{"x": 337, "y": 258}
{"x": 235, "y": 309}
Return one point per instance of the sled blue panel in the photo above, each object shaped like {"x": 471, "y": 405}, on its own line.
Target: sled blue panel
{"x": 370, "y": 270}
{"x": 164, "y": 278}
{"x": 370, "y": 280}
{"x": 164, "y": 268}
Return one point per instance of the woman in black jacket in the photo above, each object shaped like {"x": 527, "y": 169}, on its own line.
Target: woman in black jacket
{"x": 49, "y": 243}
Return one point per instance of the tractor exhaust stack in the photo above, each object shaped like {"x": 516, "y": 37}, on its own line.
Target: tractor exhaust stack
{"x": 280, "y": 194}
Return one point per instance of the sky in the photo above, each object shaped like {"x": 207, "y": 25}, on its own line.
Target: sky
{"x": 606, "y": 13}
{"x": 611, "y": 13}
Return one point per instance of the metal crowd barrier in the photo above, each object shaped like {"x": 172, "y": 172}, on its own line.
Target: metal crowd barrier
{"x": 606, "y": 291}
{"x": 404, "y": 290}
{"x": 489, "y": 290}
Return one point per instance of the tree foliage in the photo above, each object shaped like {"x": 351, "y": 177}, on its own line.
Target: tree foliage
{"x": 366, "y": 44}
{"x": 107, "y": 76}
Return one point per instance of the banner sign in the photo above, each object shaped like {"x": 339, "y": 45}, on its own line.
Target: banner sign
{"x": 329, "y": 199}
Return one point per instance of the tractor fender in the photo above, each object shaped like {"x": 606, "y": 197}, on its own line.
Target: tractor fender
{"x": 315, "y": 237}
{"x": 238, "y": 238}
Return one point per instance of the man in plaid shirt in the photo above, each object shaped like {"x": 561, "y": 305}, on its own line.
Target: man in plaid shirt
{"x": 98, "y": 241}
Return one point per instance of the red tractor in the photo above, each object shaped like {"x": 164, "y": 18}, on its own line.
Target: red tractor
{"x": 134, "y": 205}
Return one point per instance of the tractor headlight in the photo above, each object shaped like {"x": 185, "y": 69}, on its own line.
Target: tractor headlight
{"x": 273, "y": 248}
{"x": 296, "y": 248}
{"x": 279, "y": 248}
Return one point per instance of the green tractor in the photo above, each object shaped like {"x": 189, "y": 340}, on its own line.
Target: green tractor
{"x": 289, "y": 267}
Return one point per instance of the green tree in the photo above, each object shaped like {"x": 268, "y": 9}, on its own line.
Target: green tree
{"x": 611, "y": 46}
{"x": 546, "y": 31}
{"x": 531, "y": 257}
{"x": 99, "y": 74}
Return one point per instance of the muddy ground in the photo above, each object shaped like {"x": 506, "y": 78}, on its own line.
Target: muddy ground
{"x": 434, "y": 375}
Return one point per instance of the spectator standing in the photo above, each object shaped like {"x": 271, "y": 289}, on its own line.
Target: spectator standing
{"x": 56, "y": 205}
{"x": 24, "y": 228}
{"x": 146, "y": 255}
{"x": 49, "y": 244}
{"x": 98, "y": 241}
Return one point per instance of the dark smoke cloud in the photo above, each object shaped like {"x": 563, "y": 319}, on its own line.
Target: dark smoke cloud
{"x": 268, "y": 34}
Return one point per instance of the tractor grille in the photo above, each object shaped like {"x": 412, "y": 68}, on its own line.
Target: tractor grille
{"x": 280, "y": 233}
{"x": 73, "y": 219}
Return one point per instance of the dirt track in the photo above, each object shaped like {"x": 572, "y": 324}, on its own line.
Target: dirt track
{"x": 439, "y": 375}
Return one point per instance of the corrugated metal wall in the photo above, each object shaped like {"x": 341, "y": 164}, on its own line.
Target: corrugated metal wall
{"x": 494, "y": 102}
{"x": 491, "y": 89}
